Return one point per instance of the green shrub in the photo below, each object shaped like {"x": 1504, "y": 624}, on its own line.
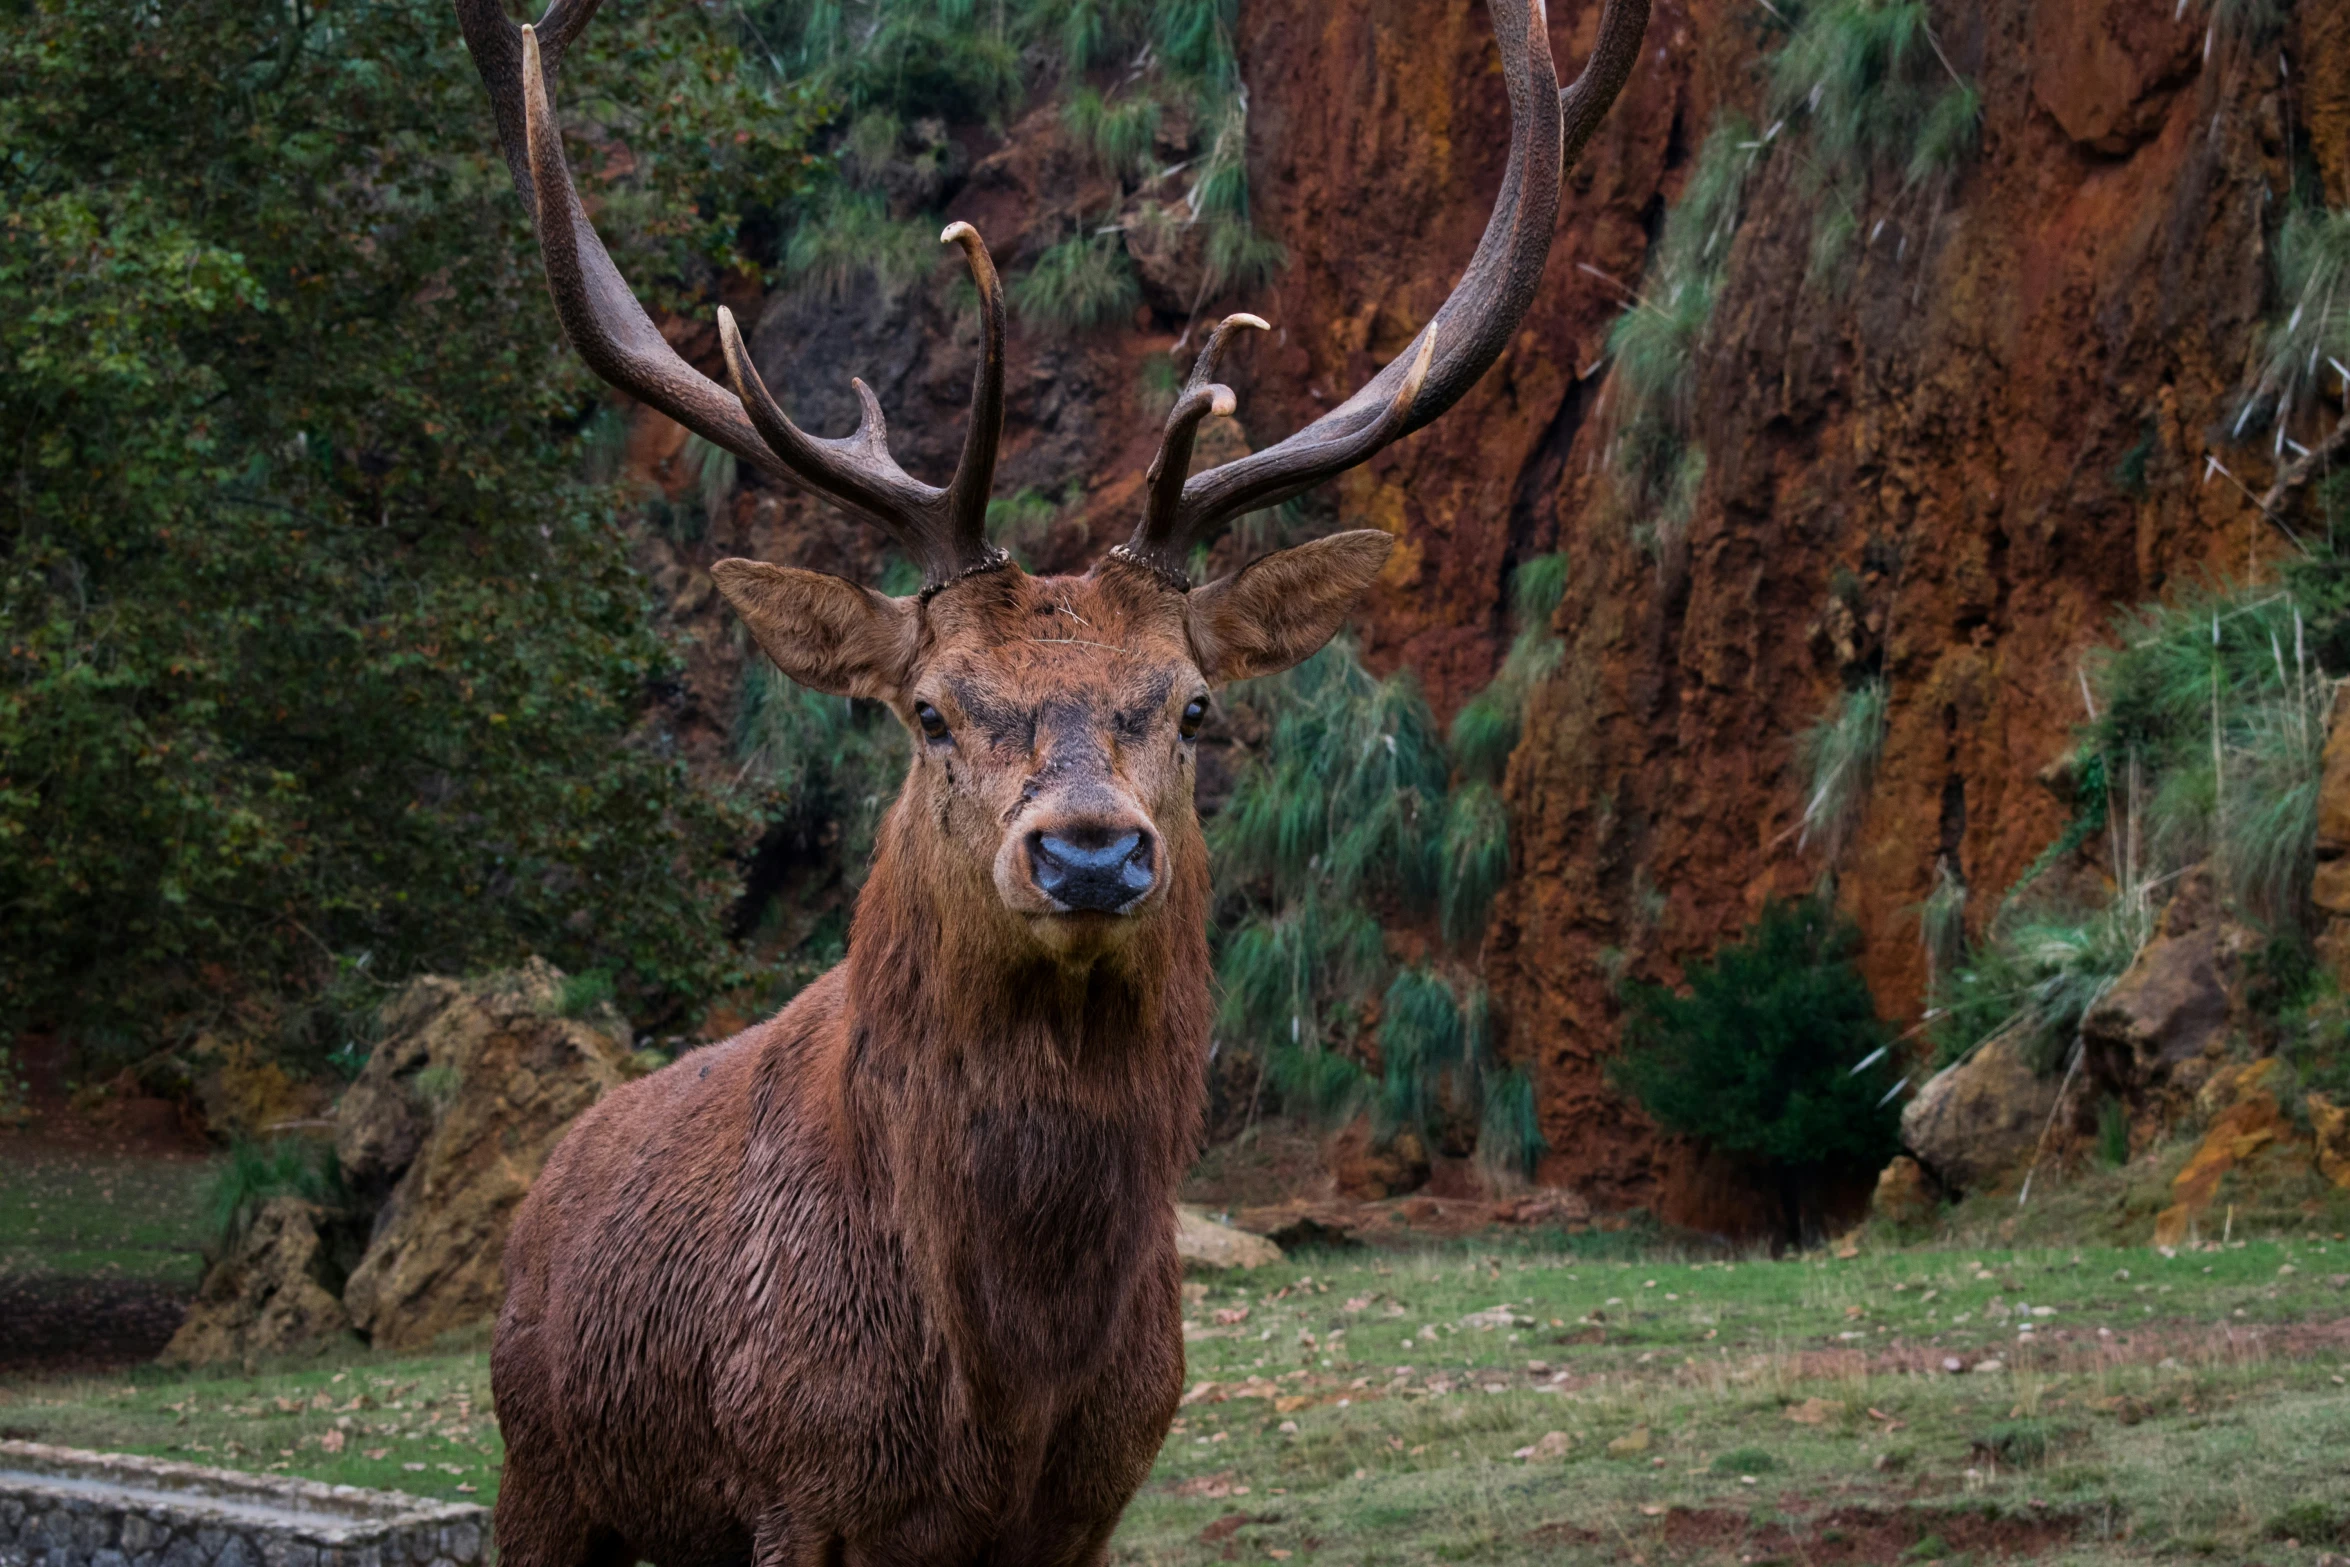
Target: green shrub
{"x": 585, "y": 992}
{"x": 831, "y": 764}
{"x": 2113, "y": 1132}
{"x": 1476, "y": 859}
{"x": 1867, "y": 79}
{"x": 2040, "y": 970}
{"x": 1757, "y": 1059}
{"x": 1087, "y": 280}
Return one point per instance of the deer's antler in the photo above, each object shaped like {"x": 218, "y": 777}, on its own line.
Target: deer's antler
{"x": 943, "y": 530}
{"x": 1548, "y": 128}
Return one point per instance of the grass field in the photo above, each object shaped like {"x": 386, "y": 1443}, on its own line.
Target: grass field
{"x": 1540, "y": 1403}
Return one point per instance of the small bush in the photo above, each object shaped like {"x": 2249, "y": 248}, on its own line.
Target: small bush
{"x": 1118, "y": 134}
{"x": 2113, "y": 1132}
{"x": 1757, "y": 1058}
{"x": 1084, "y": 281}
{"x": 1744, "y": 1461}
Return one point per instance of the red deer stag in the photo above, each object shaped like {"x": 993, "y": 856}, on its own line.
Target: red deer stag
{"x": 891, "y": 1277}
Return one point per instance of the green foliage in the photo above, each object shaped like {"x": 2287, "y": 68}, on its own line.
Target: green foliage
{"x": 1867, "y": 79}
{"x": 1348, "y": 793}
{"x": 2217, "y": 702}
{"x": 1757, "y": 1058}
{"x": 584, "y": 993}
{"x": 2299, "y": 354}
{"x": 1425, "y": 1049}
{"x": 1020, "y": 522}
{"x": 1655, "y": 343}
{"x": 714, "y": 470}
{"x": 2040, "y": 970}
{"x": 1838, "y": 759}
{"x": 1476, "y": 859}
{"x": 1745, "y": 1461}
{"x": 846, "y": 237}
{"x": 1087, "y": 280}
{"x": 1942, "y": 928}
{"x": 1118, "y": 133}
{"x": 1509, "y": 1137}
{"x": 831, "y": 764}
{"x": 1486, "y": 729}
{"x": 255, "y": 1172}
{"x": 318, "y": 642}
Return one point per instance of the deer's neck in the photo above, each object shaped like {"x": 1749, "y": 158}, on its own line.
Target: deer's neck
{"x": 1030, "y": 1119}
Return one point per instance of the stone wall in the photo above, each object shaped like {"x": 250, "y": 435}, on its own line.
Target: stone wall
{"x": 63, "y": 1508}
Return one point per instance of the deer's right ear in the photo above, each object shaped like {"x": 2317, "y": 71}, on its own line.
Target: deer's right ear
{"x": 827, "y": 633}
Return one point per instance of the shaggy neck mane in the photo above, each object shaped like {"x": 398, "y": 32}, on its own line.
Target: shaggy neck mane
{"x": 1029, "y": 1120}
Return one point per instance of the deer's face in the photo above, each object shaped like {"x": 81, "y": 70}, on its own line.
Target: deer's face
{"x": 1053, "y": 719}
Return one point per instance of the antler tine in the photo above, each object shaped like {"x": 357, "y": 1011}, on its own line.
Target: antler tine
{"x": 1474, "y": 324}
{"x": 975, "y": 471}
{"x": 944, "y": 530}
{"x": 1201, "y": 396}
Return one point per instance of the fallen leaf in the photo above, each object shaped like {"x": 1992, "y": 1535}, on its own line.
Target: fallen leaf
{"x": 333, "y": 1441}
{"x": 378, "y": 1452}
{"x": 1552, "y": 1446}
{"x": 1231, "y": 1316}
{"x": 1222, "y": 1529}
{"x": 1814, "y": 1412}
{"x": 1291, "y": 1404}
{"x": 1633, "y": 1441}
{"x": 1279, "y": 1556}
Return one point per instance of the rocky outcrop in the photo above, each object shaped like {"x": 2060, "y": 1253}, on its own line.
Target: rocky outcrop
{"x": 1367, "y": 1169}
{"x": 2157, "y": 1036}
{"x": 2329, "y": 1126}
{"x": 2329, "y": 890}
{"x": 1202, "y": 1242}
{"x": 1982, "y": 1118}
{"x": 2245, "y": 1121}
{"x": 452, "y": 1118}
{"x": 273, "y": 1293}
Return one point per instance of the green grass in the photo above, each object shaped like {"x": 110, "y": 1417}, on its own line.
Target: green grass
{"x": 89, "y": 1212}
{"x": 1085, "y": 281}
{"x": 1365, "y": 1407}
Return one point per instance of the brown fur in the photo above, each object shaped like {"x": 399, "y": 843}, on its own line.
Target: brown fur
{"x": 891, "y": 1277}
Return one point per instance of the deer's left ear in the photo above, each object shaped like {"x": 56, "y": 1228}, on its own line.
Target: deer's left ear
{"x": 1279, "y": 610}
{"x": 827, "y": 633}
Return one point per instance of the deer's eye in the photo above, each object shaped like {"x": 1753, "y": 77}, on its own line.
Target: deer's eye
{"x": 933, "y": 722}
{"x": 1194, "y": 715}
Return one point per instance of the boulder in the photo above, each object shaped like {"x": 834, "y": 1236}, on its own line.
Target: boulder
{"x": 1905, "y": 1194}
{"x": 272, "y": 1294}
{"x": 2159, "y": 1033}
{"x": 1204, "y": 1243}
{"x": 455, "y": 1113}
{"x": 1978, "y": 1120}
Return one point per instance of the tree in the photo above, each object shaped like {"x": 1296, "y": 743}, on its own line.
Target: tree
{"x": 1756, "y": 1060}
{"x": 315, "y": 640}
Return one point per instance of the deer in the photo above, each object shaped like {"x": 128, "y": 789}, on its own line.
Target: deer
{"x": 891, "y": 1277}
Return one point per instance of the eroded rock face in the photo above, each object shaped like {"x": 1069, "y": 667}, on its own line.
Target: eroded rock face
{"x": 271, "y": 1295}
{"x": 2329, "y": 1126}
{"x": 1364, "y": 1168}
{"x": 2158, "y": 1035}
{"x": 457, "y": 1110}
{"x": 1981, "y": 1119}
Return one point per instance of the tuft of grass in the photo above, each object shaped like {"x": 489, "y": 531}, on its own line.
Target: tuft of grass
{"x": 2040, "y": 970}
{"x": 2302, "y": 353}
{"x": 1476, "y": 859}
{"x": 1509, "y": 1137}
{"x": 1838, "y": 758}
{"x": 2113, "y": 1132}
{"x": 1085, "y": 281}
{"x": 1745, "y": 1461}
{"x": 848, "y": 237}
{"x": 714, "y": 471}
{"x": 584, "y": 992}
{"x": 254, "y": 1172}
{"x": 1118, "y": 133}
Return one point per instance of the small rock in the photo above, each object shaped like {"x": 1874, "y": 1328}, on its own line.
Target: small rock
{"x": 1204, "y": 1243}
{"x": 1989, "y": 1367}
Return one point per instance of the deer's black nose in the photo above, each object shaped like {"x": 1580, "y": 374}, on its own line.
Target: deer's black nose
{"x": 1100, "y": 870}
